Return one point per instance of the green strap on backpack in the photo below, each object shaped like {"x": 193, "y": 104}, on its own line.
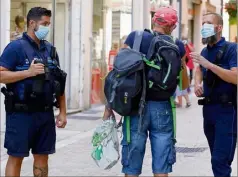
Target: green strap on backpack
{"x": 174, "y": 115}
{"x": 128, "y": 129}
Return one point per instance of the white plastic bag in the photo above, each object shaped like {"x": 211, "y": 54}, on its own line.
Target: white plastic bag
{"x": 105, "y": 144}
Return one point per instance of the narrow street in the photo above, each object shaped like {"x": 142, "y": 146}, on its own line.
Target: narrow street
{"x": 73, "y": 157}
{"x": 87, "y": 36}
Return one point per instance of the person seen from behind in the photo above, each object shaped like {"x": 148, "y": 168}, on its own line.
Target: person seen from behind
{"x": 158, "y": 118}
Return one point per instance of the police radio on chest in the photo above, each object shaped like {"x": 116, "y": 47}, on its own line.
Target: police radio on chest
{"x": 37, "y": 86}
{"x": 38, "y": 60}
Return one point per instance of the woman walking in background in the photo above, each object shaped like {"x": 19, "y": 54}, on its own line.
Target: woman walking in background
{"x": 189, "y": 62}
{"x": 19, "y": 29}
{"x": 183, "y": 91}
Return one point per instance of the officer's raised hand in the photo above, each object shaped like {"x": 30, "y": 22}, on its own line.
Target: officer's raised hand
{"x": 36, "y": 69}
{"x": 197, "y": 58}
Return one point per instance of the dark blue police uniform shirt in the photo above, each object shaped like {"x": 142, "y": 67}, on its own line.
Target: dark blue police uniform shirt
{"x": 145, "y": 44}
{"x": 13, "y": 55}
{"x": 228, "y": 61}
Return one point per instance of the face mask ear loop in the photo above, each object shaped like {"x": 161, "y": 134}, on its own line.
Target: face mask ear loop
{"x": 35, "y": 29}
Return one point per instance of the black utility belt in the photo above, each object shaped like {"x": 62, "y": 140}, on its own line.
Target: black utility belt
{"x": 219, "y": 100}
{"x": 21, "y": 107}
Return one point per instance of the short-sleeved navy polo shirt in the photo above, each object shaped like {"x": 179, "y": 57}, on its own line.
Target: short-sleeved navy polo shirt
{"x": 228, "y": 61}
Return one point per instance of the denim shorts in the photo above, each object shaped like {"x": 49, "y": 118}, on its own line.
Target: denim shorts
{"x": 158, "y": 123}
{"x": 30, "y": 131}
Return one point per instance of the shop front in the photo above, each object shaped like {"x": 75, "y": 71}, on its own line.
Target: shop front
{"x": 101, "y": 45}
{"x": 121, "y": 21}
{"x": 190, "y": 16}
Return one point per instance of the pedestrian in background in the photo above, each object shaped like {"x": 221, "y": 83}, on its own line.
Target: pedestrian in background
{"x": 182, "y": 90}
{"x": 189, "y": 47}
{"x": 20, "y": 22}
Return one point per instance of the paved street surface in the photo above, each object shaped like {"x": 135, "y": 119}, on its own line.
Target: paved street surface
{"x": 73, "y": 157}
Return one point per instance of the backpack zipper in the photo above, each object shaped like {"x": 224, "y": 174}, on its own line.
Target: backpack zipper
{"x": 167, "y": 75}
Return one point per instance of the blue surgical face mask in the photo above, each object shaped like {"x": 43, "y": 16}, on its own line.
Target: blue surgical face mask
{"x": 208, "y": 30}
{"x": 42, "y": 32}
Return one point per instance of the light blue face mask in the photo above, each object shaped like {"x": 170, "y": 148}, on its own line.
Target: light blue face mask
{"x": 42, "y": 32}
{"x": 207, "y": 30}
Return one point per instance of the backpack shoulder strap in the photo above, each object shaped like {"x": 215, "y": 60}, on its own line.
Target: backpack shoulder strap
{"x": 137, "y": 40}
{"x": 149, "y": 31}
{"x": 151, "y": 49}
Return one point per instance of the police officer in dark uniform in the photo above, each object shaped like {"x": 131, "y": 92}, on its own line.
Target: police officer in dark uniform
{"x": 34, "y": 85}
{"x": 218, "y": 71}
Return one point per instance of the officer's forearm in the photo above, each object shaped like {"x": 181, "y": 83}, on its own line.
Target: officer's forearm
{"x": 8, "y": 77}
{"x": 229, "y": 76}
{"x": 198, "y": 76}
{"x": 62, "y": 104}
